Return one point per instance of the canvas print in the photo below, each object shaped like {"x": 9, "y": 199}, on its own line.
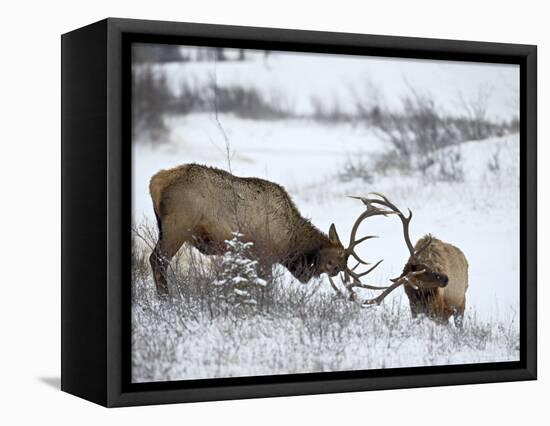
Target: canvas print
{"x": 307, "y": 212}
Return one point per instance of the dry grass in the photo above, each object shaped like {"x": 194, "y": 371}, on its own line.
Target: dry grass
{"x": 295, "y": 329}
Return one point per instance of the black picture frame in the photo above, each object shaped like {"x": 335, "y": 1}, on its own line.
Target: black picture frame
{"x": 96, "y": 201}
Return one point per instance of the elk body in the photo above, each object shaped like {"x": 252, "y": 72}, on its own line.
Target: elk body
{"x": 438, "y": 289}
{"x": 203, "y": 206}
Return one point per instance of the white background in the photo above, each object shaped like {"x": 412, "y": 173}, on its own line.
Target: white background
{"x": 30, "y": 211}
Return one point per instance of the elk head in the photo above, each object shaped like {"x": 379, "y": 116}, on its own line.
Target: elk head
{"x": 332, "y": 259}
{"x": 421, "y": 276}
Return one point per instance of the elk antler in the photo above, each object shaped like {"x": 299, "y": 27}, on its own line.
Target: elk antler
{"x": 350, "y": 277}
{"x": 396, "y": 283}
{"x": 405, "y": 220}
{"x": 373, "y": 209}
{"x": 353, "y": 243}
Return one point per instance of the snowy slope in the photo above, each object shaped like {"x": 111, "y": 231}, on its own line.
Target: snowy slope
{"x": 296, "y": 78}
{"x": 479, "y": 215}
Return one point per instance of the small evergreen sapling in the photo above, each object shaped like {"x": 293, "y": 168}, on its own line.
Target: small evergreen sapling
{"x": 238, "y": 282}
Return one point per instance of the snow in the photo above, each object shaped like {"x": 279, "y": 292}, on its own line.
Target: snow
{"x": 479, "y": 215}
{"x": 298, "y": 77}
{"x": 312, "y": 337}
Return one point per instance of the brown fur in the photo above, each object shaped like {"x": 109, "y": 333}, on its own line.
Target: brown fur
{"x": 431, "y": 298}
{"x": 203, "y": 205}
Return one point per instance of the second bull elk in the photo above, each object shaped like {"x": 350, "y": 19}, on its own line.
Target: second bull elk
{"x": 435, "y": 277}
{"x": 203, "y": 206}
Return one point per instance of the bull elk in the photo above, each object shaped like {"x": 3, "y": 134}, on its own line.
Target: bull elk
{"x": 435, "y": 277}
{"x": 203, "y": 206}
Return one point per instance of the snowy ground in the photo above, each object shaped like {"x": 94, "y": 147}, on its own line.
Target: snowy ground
{"x": 480, "y": 215}
{"x": 301, "y": 331}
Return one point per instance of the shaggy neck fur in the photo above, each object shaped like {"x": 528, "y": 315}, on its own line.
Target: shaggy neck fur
{"x": 308, "y": 238}
{"x": 430, "y": 257}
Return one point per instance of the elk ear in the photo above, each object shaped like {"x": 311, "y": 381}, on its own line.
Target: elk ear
{"x": 333, "y": 236}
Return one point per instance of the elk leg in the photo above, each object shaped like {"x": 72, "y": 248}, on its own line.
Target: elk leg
{"x": 415, "y": 310}
{"x": 158, "y": 263}
{"x": 168, "y": 244}
{"x": 459, "y": 317}
{"x": 265, "y": 271}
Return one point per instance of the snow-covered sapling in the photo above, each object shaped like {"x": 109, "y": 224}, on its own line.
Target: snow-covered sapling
{"x": 238, "y": 282}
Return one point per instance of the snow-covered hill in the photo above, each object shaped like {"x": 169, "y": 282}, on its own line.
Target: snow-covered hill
{"x": 479, "y": 215}
{"x": 296, "y": 79}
